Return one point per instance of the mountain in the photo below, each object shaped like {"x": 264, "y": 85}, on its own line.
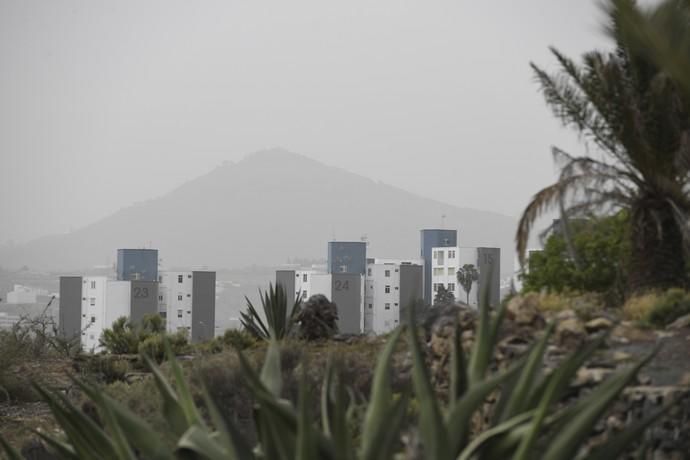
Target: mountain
{"x": 262, "y": 210}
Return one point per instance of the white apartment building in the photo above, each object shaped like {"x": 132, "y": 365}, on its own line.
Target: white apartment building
{"x": 446, "y": 261}
{"x": 187, "y": 301}
{"x": 388, "y": 287}
{"x": 175, "y": 300}
{"x": 102, "y": 302}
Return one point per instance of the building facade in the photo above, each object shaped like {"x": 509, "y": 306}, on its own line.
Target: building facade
{"x": 137, "y": 264}
{"x": 90, "y": 304}
{"x": 446, "y": 261}
{"x": 187, "y": 300}
{"x": 433, "y": 238}
{"x": 390, "y": 287}
{"x": 347, "y": 257}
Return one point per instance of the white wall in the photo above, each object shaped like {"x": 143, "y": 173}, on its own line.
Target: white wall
{"x": 178, "y": 300}
{"x": 445, "y": 263}
{"x": 118, "y": 301}
{"x": 321, "y": 284}
{"x": 381, "y": 308}
{"x": 93, "y": 311}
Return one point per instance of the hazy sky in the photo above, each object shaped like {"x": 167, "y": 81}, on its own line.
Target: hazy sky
{"x": 105, "y": 103}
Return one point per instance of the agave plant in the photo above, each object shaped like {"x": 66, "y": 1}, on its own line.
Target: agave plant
{"x": 528, "y": 421}
{"x": 280, "y": 320}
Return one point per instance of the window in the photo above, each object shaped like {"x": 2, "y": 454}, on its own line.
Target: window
{"x": 451, "y": 271}
{"x": 160, "y": 279}
{"x": 92, "y": 301}
{"x": 368, "y": 271}
{"x": 93, "y": 319}
{"x": 179, "y": 278}
{"x": 387, "y": 273}
{"x": 396, "y": 270}
{"x": 91, "y": 337}
{"x": 435, "y": 287}
{"x": 189, "y": 295}
{"x": 304, "y": 294}
{"x": 397, "y": 288}
{"x": 451, "y": 287}
{"x": 388, "y": 289}
{"x": 438, "y": 271}
{"x": 179, "y": 297}
{"x": 370, "y": 306}
{"x": 163, "y": 314}
{"x": 388, "y": 306}
{"x": 189, "y": 276}
{"x": 435, "y": 254}
{"x": 93, "y": 285}
{"x": 395, "y": 304}
{"x": 160, "y": 298}
{"x": 451, "y": 254}
{"x": 304, "y": 277}
{"x": 179, "y": 313}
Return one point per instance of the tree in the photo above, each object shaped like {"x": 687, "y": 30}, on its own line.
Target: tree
{"x": 467, "y": 275}
{"x": 443, "y": 296}
{"x": 635, "y": 120}
{"x": 596, "y": 260}
{"x": 318, "y": 318}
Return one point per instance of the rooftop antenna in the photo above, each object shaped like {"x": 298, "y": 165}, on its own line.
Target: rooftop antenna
{"x": 443, "y": 221}
{"x": 364, "y": 239}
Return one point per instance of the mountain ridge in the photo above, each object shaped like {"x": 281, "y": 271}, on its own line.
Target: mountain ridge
{"x": 270, "y": 205}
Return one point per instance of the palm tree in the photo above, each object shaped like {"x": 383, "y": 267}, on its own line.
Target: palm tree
{"x": 635, "y": 121}
{"x": 467, "y": 275}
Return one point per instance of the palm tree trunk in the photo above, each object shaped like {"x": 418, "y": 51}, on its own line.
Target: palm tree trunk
{"x": 657, "y": 259}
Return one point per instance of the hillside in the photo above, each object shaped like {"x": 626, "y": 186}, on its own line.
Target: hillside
{"x": 259, "y": 211}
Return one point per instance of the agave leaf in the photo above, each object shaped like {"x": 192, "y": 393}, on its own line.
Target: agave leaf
{"x": 85, "y": 437}
{"x": 460, "y": 414}
{"x": 137, "y": 431}
{"x": 10, "y": 452}
{"x": 485, "y": 342}
{"x": 306, "y": 442}
{"x": 433, "y": 432}
{"x": 326, "y": 403}
{"x": 551, "y": 391}
{"x": 228, "y": 435}
{"x": 497, "y": 430}
{"x": 518, "y": 396}
{"x": 122, "y": 448}
{"x": 458, "y": 368}
{"x": 63, "y": 449}
{"x": 200, "y": 441}
{"x": 343, "y": 448}
{"x": 380, "y": 399}
{"x": 618, "y": 443}
{"x": 184, "y": 394}
{"x": 172, "y": 410}
{"x": 564, "y": 443}
{"x": 271, "y": 374}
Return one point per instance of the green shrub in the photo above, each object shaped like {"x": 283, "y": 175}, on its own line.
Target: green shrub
{"x": 121, "y": 339}
{"x": 596, "y": 261}
{"x": 238, "y": 339}
{"x": 317, "y": 318}
{"x": 668, "y": 307}
{"x": 153, "y": 346}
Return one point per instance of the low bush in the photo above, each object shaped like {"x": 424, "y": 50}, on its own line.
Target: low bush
{"x": 658, "y": 309}
{"x": 153, "y": 346}
{"x": 238, "y": 339}
{"x": 317, "y": 318}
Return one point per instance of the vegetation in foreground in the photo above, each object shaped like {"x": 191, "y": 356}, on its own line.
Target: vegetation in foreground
{"x": 528, "y": 417}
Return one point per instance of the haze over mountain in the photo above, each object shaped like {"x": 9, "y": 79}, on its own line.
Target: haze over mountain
{"x": 262, "y": 210}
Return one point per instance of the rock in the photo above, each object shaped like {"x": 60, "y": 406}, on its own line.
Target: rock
{"x": 680, "y": 323}
{"x": 570, "y": 333}
{"x": 620, "y": 356}
{"x": 591, "y": 376}
{"x": 523, "y": 309}
{"x": 685, "y": 379}
{"x": 598, "y": 324}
